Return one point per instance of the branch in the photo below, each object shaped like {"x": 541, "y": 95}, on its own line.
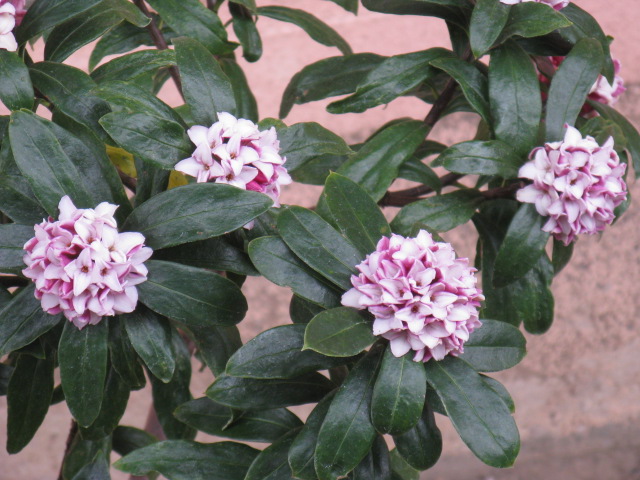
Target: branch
{"x": 73, "y": 431}
{"x": 159, "y": 41}
{"x": 401, "y": 198}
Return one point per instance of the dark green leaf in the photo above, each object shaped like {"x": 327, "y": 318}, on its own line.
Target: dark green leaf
{"x": 348, "y": 5}
{"x": 82, "y": 355}
{"x": 495, "y": 346}
{"x": 206, "y": 88}
{"x": 12, "y": 240}
{"x": 441, "y": 212}
{"x": 347, "y": 434}
{"x": 473, "y": 83}
{"x": 124, "y": 359}
{"x": 246, "y": 105}
{"x": 215, "y": 419}
{"x": 326, "y": 78}
{"x": 376, "y": 464}
{"x": 272, "y": 463}
{"x": 182, "y": 460}
{"x": 278, "y": 264}
{"x": 533, "y": 20}
{"x": 128, "y": 439}
{"x": 393, "y": 77}
{"x": 258, "y": 394}
{"x": 514, "y": 92}
{"x": 561, "y": 255}
{"x": 17, "y": 200}
{"x": 339, "y": 332}
{"x": 376, "y": 164}
{"x": 98, "y": 469}
{"x": 302, "y": 311}
{"x": 41, "y": 16}
{"x": 522, "y": 246}
{"x": 195, "y": 212}
{"x": 70, "y": 90}
{"x": 278, "y": 353}
{"x": 481, "y": 418}
{"x": 128, "y": 67}
{"x": 193, "y": 296}
{"x": 16, "y": 91}
{"x": 399, "y": 394}
{"x": 150, "y": 336}
{"x": 482, "y": 158}
{"x": 319, "y": 245}
{"x": 315, "y": 28}
{"x": 28, "y": 399}
{"x": 487, "y": 21}
{"x": 246, "y": 30}
{"x": 304, "y": 141}
{"x": 400, "y": 469}
{"x": 216, "y": 345}
{"x": 130, "y": 13}
{"x": 116, "y": 396}
{"x": 448, "y": 9}
{"x": 82, "y": 453}
{"x": 169, "y": 396}
{"x": 422, "y": 445}
{"x": 500, "y": 389}
{"x": 570, "y": 86}
{"x": 5, "y": 375}
{"x": 22, "y": 320}
{"x": 355, "y": 213}
{"x": 191, "y": 18}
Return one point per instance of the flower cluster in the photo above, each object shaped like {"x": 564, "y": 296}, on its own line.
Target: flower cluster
{"x": 8, "y": 21}
{"x": 557, "y": 4}
{"x": 576, "y": 183}
{"x": 83, "y": 267}
{"x": 422, "y": 296}
{"x": 234, "y": 151}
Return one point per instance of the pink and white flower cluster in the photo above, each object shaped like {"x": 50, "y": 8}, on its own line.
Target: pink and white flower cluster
{"x": 557, "y": 4}
{"x": 83, "y": 267}
{"x": 11, "y": 13}
{"x": 234, "y": 151}
{"x": 576, "y": 183}
{"x": 423, "y": 298}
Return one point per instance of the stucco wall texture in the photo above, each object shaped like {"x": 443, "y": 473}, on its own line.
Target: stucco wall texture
{"x": 577, "y": 390}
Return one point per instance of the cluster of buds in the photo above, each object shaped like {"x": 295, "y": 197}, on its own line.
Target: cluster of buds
{"x": 557, "y": 4}
{"x": 11, "y": 13}
{"x": 576, "y": 183}
{"x": 83, "y": 267}
{"x": 234, "y": 151}
{"x": 423, "y": 298}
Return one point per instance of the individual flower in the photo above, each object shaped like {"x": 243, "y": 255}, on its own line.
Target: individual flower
{"x": 234, "y": 151}
{"x": 7, "y": 22}
{"x": 19, "y": 6}
{"x": 557, "y": 4}
{"x": 83, "y": 267}
{"x": 423, "y": 298}
{"x": 576, "y": 183}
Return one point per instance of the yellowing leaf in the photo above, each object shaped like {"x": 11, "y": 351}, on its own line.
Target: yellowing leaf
{"x": 123, "y": 160}
{"x": 177, "y": 179}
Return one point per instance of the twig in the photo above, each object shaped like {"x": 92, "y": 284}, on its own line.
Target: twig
{"x": 159, "y": 41}
{"x": 502, "y": 192}
{"x": 403, "y": 197}
{"x": 73, "y": 431}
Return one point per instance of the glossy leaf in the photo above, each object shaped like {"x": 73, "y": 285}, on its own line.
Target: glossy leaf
{"x": 347, "y": 434}
{"x": 12, "y": 240}
{"x": 191, "y": 18}
{"x": 349, "y": 5}
{"x": 326, "y": 78}
{"x": 478, "y": 414}
{"x": 206, "y": 88}
{"x": 278, "y": 264}
{"x": 355, "y": 213}
{"x": 259, "y": 394}
{"x": 123, "y": 357}
{"x": 17, "y": 200}
{"x": 533, "y": 20}
{"x": 182, "y": 460}
{"x": 246, "y": 105}
{"x": 393, "y": 77}
{"x": 315, "y": 28}
{"x": 302, "y": 142}
{"x": 216, "y": 345}
{"x": 376, "y": 464}
{"x": 16, "y": 91}
{"x": 5, "y": 375}
{"x": 487, "y": 21}
{"x": 98, "y": 469}
{"x": 127, "y": 439}
{"x": 272, "y": 463}
{"x": 278, "y": 353}
{"x": 28, "y": 398}
{"x": 150, "y": 336}
{"x": 190, "y": 295}
{"x": 570, "y": 86}
{"x": 514, "y": 95}
{"x": 42, "y": 16}
{"x": 129, "y": 67}
{"x": 473, "y": 83}
{"x": 494, "y": 346}
{"x": 561, "y": 255}
{"x": 302, "y": 311}
{"x": 82, "y": 453}
{"x": 522, "y": 246}
{"x": 82, "y": 355}
{"x": 22, "y": 320}
{"x": 253, "y": 426}
{"x": 247, "y": 32}
{"x": 398, "y": 395}
{"x": 375, "y": 165}
{"x": 400, "y": 469}
{"x": 482, "y": 158}
{"x": 440, "y": 213}
{"x": 339, "y": 332}
{"x": 500, "y": 389}
{"x": 319, "y": 245}
{"x": 421, "y": 446}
